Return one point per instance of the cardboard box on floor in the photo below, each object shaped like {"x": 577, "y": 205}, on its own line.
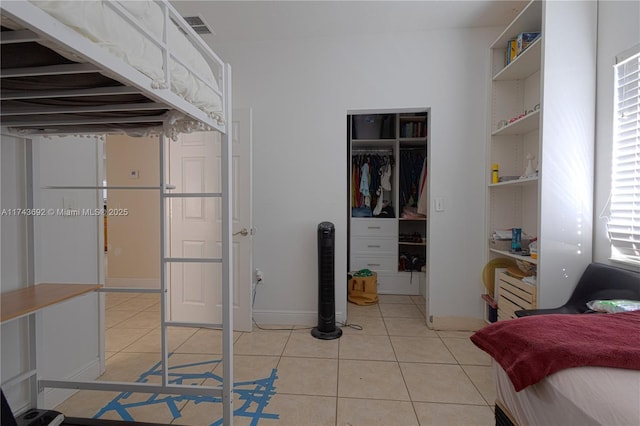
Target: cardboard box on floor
{"x": 363, "y": 290}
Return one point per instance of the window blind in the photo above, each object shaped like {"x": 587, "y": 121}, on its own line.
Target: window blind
{"x": 624, "y": 219}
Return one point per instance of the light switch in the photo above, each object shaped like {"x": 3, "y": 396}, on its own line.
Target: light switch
{"x": 69, "y": 203}
{"x": 439, "y": 204}
{"x": 70, "y": 207}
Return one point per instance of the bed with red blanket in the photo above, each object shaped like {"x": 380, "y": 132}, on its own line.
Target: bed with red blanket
{"x": 567, "y": 369}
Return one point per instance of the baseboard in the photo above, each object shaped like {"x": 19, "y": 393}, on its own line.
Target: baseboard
{"x": 306, "y": 318}
{"x": 55, "y": 397}
{"x": 132, "y": 282}
{"x": 456, "y": 323}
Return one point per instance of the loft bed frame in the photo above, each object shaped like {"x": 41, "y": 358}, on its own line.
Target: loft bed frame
{"x": 42, "y": 59}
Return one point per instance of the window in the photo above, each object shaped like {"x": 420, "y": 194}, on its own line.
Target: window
{"x": 624, "y": 222}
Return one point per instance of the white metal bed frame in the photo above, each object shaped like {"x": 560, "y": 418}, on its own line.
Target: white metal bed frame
{"x": 41, "y": 26}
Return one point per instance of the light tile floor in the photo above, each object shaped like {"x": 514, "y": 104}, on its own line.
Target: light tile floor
{"x": 395, "y": 371}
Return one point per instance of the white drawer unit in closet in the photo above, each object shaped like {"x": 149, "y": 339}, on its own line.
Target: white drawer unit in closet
{"x": 373, "y": 245}
{"x": 364, "y": 227}
{"x": 400, "y": 283}
{"x": 375, "y": 263}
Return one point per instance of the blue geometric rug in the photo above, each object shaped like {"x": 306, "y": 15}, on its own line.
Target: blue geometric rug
{"x": 255, "y": 394}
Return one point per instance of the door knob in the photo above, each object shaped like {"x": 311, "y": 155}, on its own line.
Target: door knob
{"x": 242, "y": 232}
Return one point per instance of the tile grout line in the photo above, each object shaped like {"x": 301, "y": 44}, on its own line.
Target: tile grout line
{"x": 338, "y": 375}
{"x": 413, "y": 403}
{"x": 474, "y": 383}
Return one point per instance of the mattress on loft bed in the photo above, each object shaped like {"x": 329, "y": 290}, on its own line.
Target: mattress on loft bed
{"x": 11, "y": 56}
{"x": 99, "y": 23}
{"x": 103, "y": 26}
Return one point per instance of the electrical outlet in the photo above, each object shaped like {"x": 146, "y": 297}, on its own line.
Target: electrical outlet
{"x": 259, "y": 276}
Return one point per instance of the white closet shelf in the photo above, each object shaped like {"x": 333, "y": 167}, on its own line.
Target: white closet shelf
{"x": 421, "y": 140}
{"x": 524, "y": 65}
{"x": 373, "y": 141}
{"x": 515, "y": 256}
{"x": 528, "y": 20}
{"x": 516, "y": 182}
{"x": 522, "y": 126}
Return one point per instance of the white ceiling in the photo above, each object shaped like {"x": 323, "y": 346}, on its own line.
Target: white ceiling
{"x": 234, "y": 21}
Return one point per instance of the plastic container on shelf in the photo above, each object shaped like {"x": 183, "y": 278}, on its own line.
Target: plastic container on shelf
{"x": 533, "y": 249}
{"x": 373, "y": 126}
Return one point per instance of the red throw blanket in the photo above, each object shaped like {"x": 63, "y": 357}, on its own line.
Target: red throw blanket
{"x": 531, "y": 348}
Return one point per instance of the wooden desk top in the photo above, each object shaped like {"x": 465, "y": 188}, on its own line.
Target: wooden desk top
{"x": 24, "y": 301}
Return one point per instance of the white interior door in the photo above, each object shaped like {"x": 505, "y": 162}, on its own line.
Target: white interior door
{"x": 194, "y": 225}
{"x": 242, "y": 219}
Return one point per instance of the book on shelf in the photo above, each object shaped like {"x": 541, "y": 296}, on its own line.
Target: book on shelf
{"x": 413, "y": 129}
{"x": 512, "y": 51}
{"x": 524, "y": 39}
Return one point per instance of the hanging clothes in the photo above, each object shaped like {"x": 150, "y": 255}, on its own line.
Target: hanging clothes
{"x": 385, "y": 178}
{"x": 411, "y": 164}
{"x": 364, "y": 185}
{"x": 423, "y": 204}
{"x": 355, "y": 185}
{"x": 371, "y": 176}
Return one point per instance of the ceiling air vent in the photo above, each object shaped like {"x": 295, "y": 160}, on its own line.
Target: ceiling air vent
{"x": 198, "y": 24}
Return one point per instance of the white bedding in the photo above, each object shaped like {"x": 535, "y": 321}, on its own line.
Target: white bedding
{"x": 575, "y": 396}
{"x": 105, "y": 27}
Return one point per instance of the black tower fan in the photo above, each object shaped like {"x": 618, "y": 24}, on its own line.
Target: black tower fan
{"x": 326, "y": 328}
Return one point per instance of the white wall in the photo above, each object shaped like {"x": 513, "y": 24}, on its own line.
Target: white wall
{"x": 300, "y": 92}
{"x": 618, "y": 30}
{"x": 13, "y": 265}
{"x": 66, "y": 250}
{"x": 134, "y": 239}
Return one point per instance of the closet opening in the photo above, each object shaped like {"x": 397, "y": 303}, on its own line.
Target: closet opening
{"x": 388, "y": 199}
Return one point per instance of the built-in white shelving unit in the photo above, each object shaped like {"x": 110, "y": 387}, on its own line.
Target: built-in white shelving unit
{"x": 542, "y": 105}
